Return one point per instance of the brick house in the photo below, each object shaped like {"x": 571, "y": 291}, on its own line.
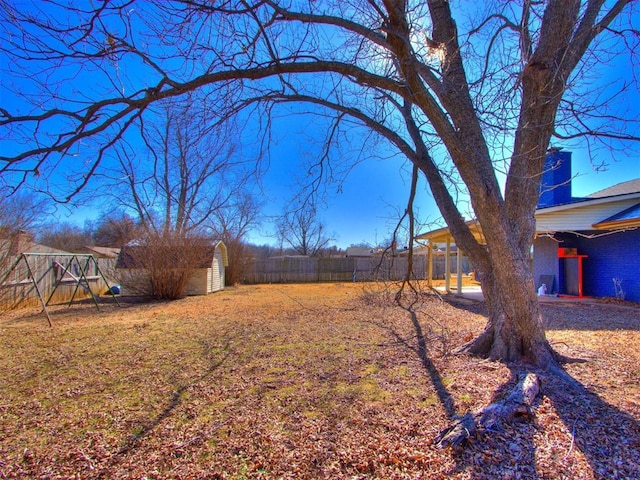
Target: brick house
{"x": 584, "y": 246}
{"x": 587, "y": 246}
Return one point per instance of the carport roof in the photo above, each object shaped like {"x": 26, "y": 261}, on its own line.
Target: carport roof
{"x": 442, "y": 235}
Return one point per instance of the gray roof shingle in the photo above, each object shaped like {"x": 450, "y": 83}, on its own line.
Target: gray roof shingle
{"x": 630, "y": 186}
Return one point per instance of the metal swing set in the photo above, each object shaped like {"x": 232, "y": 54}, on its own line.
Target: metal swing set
{"x": 67, "y": 268}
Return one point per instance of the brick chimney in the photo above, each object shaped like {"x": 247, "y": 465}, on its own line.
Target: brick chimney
{"x": 22, "y": 242}
{"x": 555, "y": 185}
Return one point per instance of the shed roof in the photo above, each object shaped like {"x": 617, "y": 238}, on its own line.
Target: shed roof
{"x": 133, "y": 256}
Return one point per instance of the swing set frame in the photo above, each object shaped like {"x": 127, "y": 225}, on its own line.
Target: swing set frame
{"x": 61, "y": 264}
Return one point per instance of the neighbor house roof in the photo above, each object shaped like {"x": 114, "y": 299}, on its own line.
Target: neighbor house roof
{"x": 22, "y": 242}
{"x": 363, "y": 251}
{"x": 104, "y": 252}
{"x": 417, "y": 250}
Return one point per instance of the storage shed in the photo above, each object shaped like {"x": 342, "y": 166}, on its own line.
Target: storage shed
{"x": 207, "y": 277}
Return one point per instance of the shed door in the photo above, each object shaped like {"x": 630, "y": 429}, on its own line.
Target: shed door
{"x": 217, "y": 273}
{"x": 220, "y": 270}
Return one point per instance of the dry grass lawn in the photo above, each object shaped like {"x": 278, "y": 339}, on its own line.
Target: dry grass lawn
{"x": 304, "y": 381}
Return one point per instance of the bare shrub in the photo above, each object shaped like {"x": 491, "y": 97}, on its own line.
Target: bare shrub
{"x": 161, "y": 265}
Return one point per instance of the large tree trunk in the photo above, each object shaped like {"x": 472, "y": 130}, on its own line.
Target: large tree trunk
{"x": 515, "y": 330}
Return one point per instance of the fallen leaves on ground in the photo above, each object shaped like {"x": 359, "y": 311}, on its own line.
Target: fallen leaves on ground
{"x": 304, "y": 381}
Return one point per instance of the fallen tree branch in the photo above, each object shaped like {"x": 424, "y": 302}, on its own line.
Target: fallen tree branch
{"x": 517, "y": 404}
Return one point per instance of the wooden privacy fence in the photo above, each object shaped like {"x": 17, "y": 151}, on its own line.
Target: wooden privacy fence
{"x": 54, "y": 278}
{"x": 345, "y": 269}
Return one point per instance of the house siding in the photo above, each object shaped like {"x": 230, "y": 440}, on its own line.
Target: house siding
{"x": 202, "y": 281}
{"x": 197, "y": 284}
{"x": 134, "y": 281}
{"x": 580, "y": 218}
{"x": 609, "y": 256}
{"x": 209, "y": 278}
{"x": 545, "y": 262}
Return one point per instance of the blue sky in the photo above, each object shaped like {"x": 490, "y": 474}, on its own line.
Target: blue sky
{"x": 589, "y": 179}
{"x": 366, "y": 208}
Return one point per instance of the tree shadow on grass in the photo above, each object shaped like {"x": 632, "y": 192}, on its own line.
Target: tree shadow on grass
{"x": 607, "y": 438}
{"x": 421, "y": 350}
{"x": 496, "y": 454}
{"x": 134, "y": 440}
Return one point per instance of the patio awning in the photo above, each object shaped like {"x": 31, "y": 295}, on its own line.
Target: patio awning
{"x": 443, "y": 235}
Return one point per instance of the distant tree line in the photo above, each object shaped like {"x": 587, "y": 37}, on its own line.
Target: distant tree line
{"x": 117, "y": 229}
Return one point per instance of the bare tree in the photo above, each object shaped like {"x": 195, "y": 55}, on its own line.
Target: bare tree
{"x": 20, "y": 213}
{"x": 303, "y": 231}
{"x": 460, "y": 98}
{"x": 161, "y": 264}
{"x": 65, "y": 236}
{"x": 185, "y": 169}
{"x": 115, "y": 230}
{"x": 232, "y": 224}
{"x": 261, "y": 252}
